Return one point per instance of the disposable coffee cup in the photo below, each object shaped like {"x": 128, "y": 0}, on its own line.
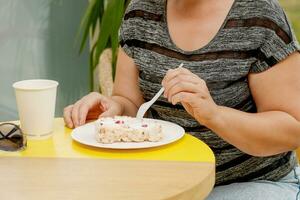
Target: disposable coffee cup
{"x": 36, "y": 106}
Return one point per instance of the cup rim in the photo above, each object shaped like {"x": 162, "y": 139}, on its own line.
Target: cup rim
{"x": 19, "y": 84}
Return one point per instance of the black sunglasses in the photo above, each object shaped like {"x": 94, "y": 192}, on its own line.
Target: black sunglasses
{"x": 11, "y": 137}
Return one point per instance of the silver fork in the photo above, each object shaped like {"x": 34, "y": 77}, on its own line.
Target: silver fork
{"x": 145, "y": 106}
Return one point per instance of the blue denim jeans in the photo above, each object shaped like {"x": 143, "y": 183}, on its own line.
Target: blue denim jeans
{"x": 287, "y": 188}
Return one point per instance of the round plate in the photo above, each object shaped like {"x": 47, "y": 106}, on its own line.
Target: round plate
{"x": 86, "y": 134}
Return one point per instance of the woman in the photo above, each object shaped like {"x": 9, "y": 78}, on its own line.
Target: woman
{"x": 239, "y": 89}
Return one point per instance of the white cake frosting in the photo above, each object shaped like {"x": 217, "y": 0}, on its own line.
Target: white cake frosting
{"x": 127, "y": 129}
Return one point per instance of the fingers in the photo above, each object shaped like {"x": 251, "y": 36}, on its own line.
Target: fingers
{"x": 183, "y": 97}
{"x": 182, "y": 78}
{"x": 172, "y": 73}
{"x": 86, "y": 106}
{"x": 184, "y": 87}
{"x": 90, "y": 107}
{"x": 108, "y": 113}
{"x": 111, "y": 109}
{"x": 68, "y": 117}
{"x": 75, "y": 113}
{"x": 82, "y": 113}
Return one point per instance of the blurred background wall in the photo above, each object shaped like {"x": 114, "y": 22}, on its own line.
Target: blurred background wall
{"x": 292, "y": 8}
{"x": 37, "y": 40}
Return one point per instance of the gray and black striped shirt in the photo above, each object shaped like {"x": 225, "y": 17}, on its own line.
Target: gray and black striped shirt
{"x": 254, "y": 37}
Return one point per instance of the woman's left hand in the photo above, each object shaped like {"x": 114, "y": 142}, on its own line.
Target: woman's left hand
{"x": 182, "y": 86}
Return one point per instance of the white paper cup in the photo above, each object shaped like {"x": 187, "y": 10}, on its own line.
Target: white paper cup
{"x": 36, "y": 105}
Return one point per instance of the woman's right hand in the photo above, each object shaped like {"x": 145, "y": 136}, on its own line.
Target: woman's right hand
{"x": 91, "y": 107}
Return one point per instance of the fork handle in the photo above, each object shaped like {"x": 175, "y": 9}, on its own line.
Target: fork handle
{"x": 158, "y": 94}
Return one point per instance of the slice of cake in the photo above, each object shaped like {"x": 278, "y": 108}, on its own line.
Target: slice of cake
{"x": 127, "y": 129}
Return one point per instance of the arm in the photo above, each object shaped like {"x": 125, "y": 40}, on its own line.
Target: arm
{"x": 276, "y": 126}
{"x": 126, "y": 90}
{"x": 125, "y": 100}
{"x": 273, "y": 130}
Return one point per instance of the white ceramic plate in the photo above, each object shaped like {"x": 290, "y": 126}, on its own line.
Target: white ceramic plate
{"x": 86, "y": 135}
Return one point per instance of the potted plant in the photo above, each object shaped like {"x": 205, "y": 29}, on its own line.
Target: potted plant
{"x": 100, "y": 24}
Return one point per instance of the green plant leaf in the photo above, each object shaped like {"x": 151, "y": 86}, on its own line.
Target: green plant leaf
{"x": 85, "y": 23}
{"x": 106, "y": 27}
{"x": 109, "y": 14}
{"x": 97, "y": 15}
{"x": 91, "y": 72}
{"x": 119, "y": 7}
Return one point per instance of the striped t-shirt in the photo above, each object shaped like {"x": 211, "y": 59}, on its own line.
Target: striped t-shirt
{"x": 254, "y": 37}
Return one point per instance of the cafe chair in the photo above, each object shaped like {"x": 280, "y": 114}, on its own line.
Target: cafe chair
{"x": 104, "y": 73}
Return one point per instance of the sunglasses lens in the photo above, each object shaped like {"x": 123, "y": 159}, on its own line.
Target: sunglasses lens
{"x": 11, "y": 137}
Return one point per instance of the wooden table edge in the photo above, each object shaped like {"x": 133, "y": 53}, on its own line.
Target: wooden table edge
{"x": 191, "y": 192}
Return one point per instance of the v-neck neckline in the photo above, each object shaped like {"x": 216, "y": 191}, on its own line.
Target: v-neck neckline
{"x": 215, "y": 37}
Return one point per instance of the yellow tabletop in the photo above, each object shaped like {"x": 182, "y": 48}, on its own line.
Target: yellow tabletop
{"x": 60, "y": 168}
{"x": 61, "y": 145}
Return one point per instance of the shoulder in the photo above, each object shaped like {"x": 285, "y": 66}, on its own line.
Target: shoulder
{"x": 262, "y": 13}
{"x": 271, "y": 4}
{"x": 274, "y": 4}
{"x": 141, "y": 11}
{"x": 264, "y": 8}
{"x": 277, "y": 38}
{"x": 272, "y": 9}
{"x": 142, "y": 16}
{"x": 142, "y": 20}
